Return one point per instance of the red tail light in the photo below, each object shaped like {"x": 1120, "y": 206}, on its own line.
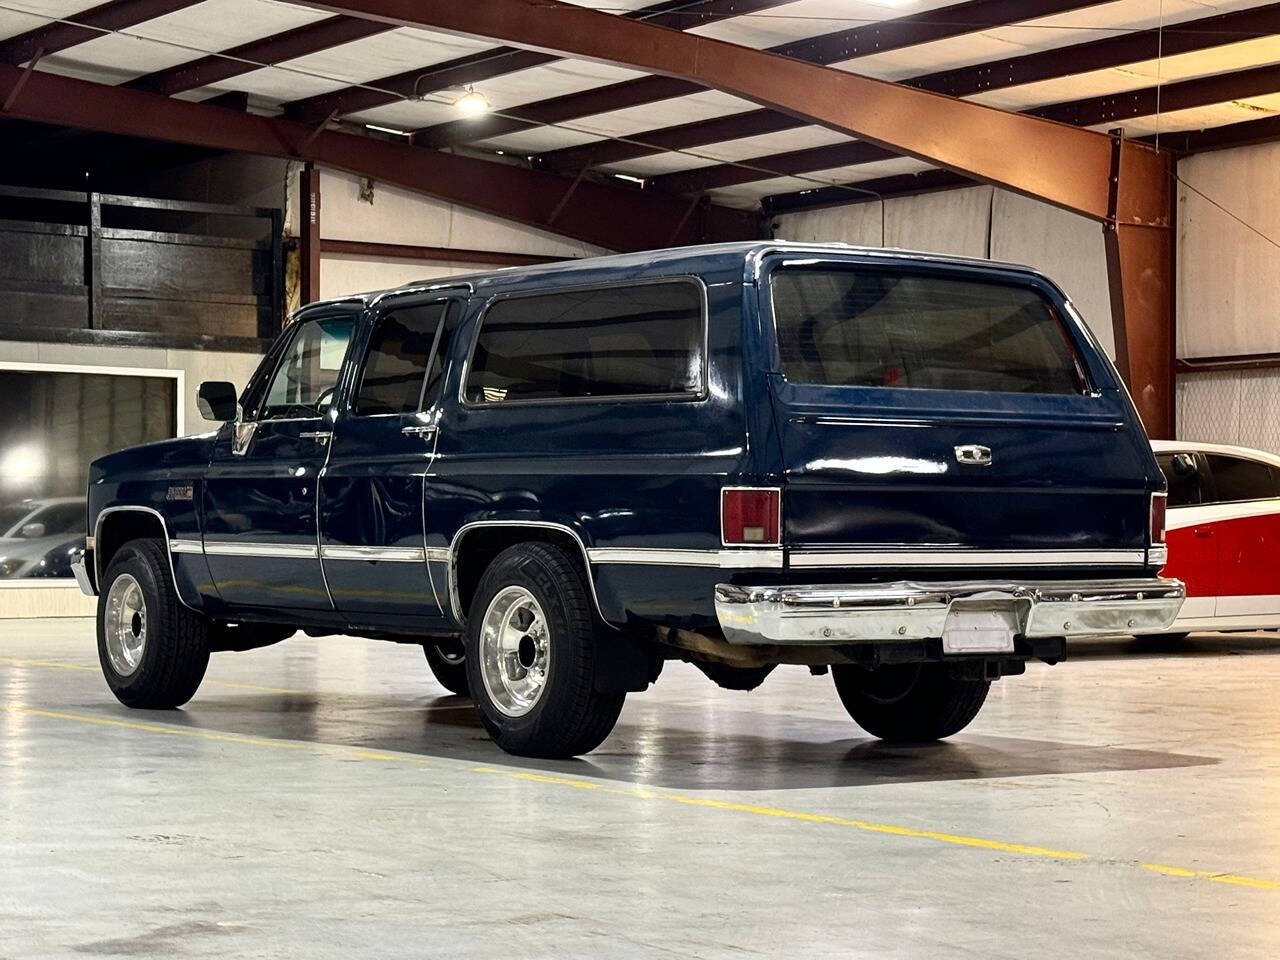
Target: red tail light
{"x": 751, "y": 516}
{"x": 1159, "y": 502}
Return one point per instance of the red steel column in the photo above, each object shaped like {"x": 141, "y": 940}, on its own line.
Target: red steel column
{"x": 309, "y": 231}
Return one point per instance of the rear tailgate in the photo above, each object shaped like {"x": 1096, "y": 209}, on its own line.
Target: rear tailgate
{"x": 937, "y": 415}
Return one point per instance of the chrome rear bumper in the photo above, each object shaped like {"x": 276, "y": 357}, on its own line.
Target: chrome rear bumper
{"x": 826, "y": 614}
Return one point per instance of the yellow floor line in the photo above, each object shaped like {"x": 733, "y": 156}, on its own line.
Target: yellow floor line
{"x": 644, "y": 793}
{"x": 94, "y": 668}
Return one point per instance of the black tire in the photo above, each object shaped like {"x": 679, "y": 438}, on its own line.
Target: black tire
{"x": 448, "y": 665}
{"x": 175, "y": 653}
{"x": 909, "y": 702}
{"x": 569, "y": 716}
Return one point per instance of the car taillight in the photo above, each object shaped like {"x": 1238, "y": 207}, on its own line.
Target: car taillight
{"x": 1159, "y": 502}
{"x": 751, "y": 515}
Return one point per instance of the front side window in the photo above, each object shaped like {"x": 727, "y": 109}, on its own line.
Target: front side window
{"x": 306, "y": 379}
{"x": 402, "y": 362}
{"x": 1235, "y": 478}
{"x": 619, "y": 341}
{"x": 1183, "y": 477}
{"x": 878, "y": 327}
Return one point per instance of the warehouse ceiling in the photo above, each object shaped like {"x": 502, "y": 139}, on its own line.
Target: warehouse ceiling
{"x": 1151, "y": 67}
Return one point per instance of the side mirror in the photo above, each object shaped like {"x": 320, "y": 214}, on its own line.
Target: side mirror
{"x": 217, "y": 400}
{"x": 32, "y": 531}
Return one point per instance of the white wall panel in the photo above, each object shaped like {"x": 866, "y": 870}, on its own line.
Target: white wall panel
{"x": 951, "y": 221}
{"x": 1065, "y": 247}
{"x": 1228, "y": 297}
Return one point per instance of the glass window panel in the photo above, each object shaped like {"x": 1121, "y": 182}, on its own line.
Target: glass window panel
{"x": 1183, "y": 476}
{"x": 307, "y": 377}
{"x": 397, "y": 361}
{"x": 1235, "y": 478}
{"x": 55, "y": 424}
{"x": 874, "y": 327}
{"x": 617, "y": 341}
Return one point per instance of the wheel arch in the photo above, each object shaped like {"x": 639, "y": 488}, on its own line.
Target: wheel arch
{"x": 116, "y": 526}
{"x": 476, "y": 544}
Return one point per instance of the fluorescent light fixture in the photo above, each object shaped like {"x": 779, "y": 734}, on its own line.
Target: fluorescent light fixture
{"x": 627, "y": 176}
{"x": 472, "y": 103}
{"x": 392, "y": 130}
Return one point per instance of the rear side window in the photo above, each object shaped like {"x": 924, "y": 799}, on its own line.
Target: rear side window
{"x": 1235, "y": 478}
{"x": 1183, "y": 476}
{"x": 641, "y": 340}
{"x": 402, "y": 352}
{"x": 872, "y": 327}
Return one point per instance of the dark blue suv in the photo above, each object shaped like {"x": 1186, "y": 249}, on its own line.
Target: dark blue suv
{"x": 917, "y": 472}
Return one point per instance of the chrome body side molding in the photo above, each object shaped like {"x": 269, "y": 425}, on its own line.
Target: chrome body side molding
{"x": 942, "y": 556}
{"x": 662, "y": 556}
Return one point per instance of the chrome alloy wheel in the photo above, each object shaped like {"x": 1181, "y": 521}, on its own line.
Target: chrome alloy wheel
{"x": 515, "y": 651}
{"x": 125, "y": 624}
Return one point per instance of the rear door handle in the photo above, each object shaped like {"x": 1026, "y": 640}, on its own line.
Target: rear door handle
{"x": 1204, "y": 533}
{"x": 319, "y": 436}
{"x": 426, "y": 431}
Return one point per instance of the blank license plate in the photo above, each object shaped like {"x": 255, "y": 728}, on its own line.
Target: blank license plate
{"x": 978, "y": 630}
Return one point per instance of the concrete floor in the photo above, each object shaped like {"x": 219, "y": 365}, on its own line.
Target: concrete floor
{"x": 324, "y": 798}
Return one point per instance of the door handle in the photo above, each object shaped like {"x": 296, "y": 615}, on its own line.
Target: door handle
{"x": 426, "y": 431}
{"x": 319, "y": 436}
{"x": 1204, "y": 533}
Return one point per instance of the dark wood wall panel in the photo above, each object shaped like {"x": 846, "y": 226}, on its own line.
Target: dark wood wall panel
{"x": 63, "y": 271}
{"x": 40, "y": 256}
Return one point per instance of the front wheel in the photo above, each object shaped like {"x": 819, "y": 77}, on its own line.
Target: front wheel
{"x": 531, "y": 656}
{"x": 153, "y": 650}
{"x": 909, "y": 701}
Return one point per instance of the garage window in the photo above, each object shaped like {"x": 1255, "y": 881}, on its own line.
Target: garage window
{"x": 626, "y": 341}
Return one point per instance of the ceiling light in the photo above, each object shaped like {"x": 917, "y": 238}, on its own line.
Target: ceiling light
{"x": 472, "y": 104}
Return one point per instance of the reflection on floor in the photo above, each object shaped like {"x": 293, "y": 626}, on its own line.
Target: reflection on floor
{"x": 325, "y": 798}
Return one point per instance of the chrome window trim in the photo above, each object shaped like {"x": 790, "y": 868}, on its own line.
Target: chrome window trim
{"x": 704, "y": 367}
{"x": 455, "y": 603}
{"x": 164, "y": 526}
{"x": 963, "y": 556}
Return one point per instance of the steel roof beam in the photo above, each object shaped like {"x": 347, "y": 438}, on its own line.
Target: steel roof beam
{"x": 614, "y": 217}
{"x": 925, "y": 27}
{"x": 289, "y": 45}
{"x": 85, "y": 26}
{"x": 487, "y": 64}
{"x": 1047, "y": 65}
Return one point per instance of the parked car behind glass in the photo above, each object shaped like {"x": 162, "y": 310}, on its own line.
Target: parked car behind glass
{"x": 41, "y": 538}
{"x": 1223, "y": 534}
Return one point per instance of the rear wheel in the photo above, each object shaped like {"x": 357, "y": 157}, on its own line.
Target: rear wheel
{"x": 153, "y": 650}
{"x": 448, "y": 662}
{"x": 909, "y": 701}
{"x": 531, "y": 655}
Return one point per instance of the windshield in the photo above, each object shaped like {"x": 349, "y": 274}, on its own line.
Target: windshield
{"x": 874, "y": 327}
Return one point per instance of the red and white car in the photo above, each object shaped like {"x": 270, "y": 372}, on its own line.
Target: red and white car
{"x": 1223, "y": 533}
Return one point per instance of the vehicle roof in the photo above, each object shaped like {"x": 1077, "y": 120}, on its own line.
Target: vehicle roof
{"x": 624, "y": 266}
{"x": 1195, "y": 446}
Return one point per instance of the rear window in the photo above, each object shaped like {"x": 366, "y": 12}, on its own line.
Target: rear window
{"x": 1235, "y": 478}
{"x": 885, "y": 328}
{"x": 619, "y": 341}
